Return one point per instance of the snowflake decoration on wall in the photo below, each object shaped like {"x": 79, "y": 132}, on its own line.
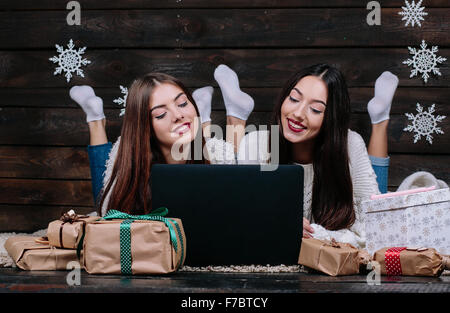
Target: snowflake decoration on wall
{"x": 424, "y": 61}
{"x": 69, "y": 60}
{"x": 122, "y": 101}
{"x": 413, "y": 13}
{"x": 424, "y": 123}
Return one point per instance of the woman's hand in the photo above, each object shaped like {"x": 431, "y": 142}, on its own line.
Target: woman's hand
{"x": 307, "y": 229}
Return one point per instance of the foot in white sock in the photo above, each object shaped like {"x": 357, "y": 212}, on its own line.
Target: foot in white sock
{"x": 89, "y": 102}
{"x": 380, "y": 105}
{"x": 202, "y": 98}
{"x": 79, "y": 94}
{"x": 95, "y": 107}
{"x": 237, "y": 103}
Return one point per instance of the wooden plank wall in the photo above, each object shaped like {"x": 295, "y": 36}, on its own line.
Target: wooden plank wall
{"x": 43, "y": 134}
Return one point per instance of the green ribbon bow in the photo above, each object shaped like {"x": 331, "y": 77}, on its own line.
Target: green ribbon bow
{"x": 125, "y": 233}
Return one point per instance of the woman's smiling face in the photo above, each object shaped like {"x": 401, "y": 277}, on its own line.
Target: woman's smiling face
{"x": 174, "y": 118}
{"x": 302, "y": 112}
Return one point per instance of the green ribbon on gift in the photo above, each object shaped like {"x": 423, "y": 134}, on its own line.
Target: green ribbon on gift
{"x": 125, "y": 233}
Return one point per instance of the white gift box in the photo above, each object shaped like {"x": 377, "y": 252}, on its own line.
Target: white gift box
{"x": 413, "y": 220}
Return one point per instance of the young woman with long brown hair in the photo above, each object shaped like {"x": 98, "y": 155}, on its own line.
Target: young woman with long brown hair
{"x": 313, "y": 118}
{"x": 161, "y": 122}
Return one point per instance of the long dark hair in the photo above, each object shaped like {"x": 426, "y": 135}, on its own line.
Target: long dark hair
{"x": 129, "y": 186}
{"x": 332, "y": 192}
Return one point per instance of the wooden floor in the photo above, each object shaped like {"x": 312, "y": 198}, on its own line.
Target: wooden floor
{"x": 15, "y": 280}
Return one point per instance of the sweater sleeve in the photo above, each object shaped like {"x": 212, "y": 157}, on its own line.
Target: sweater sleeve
{"x": 364, "y": 185}
{"x": 220, "y": 151}
{"x": 254, "y": 148}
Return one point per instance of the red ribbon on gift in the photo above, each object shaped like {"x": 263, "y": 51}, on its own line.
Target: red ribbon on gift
{"x": 392, "y": 260}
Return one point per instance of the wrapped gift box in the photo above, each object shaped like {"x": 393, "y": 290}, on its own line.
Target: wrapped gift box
{"x": 126, "y": 244}
{"x": 413, "y": 220}
{"x": 330, "y": 257}
{"x": 68, "y": 233}
{"x": 29, "y": 254}
{"x": 397, "y": 261}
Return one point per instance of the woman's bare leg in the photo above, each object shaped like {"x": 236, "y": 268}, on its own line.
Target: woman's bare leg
{"x": 378, "y": 154}
{"x": 97, "y": 132}
{"x": 202, "y": 97}
{"x": 378, "y": 144}
{"x": 92, "y": 105}
{"x": 379, "y": 109}
{"x": 235, "y": 131}
{"x": 99, "y": 147}
{"x": 238, "y": 104}
{"x": 206, "y": 127}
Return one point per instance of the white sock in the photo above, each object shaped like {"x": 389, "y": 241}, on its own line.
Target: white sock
{"x": 237, "y": 103}
{"x": 202, "y": 98}
{"x": 380, "y": 105}
{"x": 89, "y": 102}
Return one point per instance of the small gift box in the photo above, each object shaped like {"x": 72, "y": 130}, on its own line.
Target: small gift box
{"x": 68, "y": 230}
{"x": 418, "y": 219}
{"x": 134, "y": 244}
{"x": 397, "y": 261}
{"x": 30, "y": 253}
{"x": 330, "y": 257}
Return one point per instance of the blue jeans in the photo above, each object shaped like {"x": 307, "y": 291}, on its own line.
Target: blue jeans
{"x": 381, "y": 168}
{"x": 99, "y": 154}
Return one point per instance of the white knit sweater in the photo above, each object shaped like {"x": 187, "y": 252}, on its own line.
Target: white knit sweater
{"x": 219, "y": 151}
{"x": 254, "y": 150}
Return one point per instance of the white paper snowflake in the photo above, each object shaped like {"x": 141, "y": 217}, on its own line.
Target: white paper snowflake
{"x": 122, "y": 101}
{"x": 69, "y": 60}
{"x": 413, "y": 13}
{"x": 424, "y": 61}
{"x": 424, "y": 123}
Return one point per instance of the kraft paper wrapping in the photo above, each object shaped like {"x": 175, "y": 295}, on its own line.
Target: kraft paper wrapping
{"x": 33, "y": 256}
{"x": 151, "y": 248}
{"x": 446, "y": 261}
{"x": 331, "y": 258}
{"x": 69, "y": 233}
{"x": 415, "y": 263}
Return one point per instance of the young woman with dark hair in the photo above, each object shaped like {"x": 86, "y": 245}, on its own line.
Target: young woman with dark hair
{"x": 160, "y": 125}
{"x": 313, "y": 115}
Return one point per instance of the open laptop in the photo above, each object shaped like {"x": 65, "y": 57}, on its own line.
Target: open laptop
{"x": 234, "y": 214}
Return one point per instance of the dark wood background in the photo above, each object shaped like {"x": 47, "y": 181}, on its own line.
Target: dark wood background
{"x": 44, "y": 167}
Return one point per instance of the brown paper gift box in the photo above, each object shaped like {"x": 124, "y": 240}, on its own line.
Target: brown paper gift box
{"x": 415, "y": 263}
{"x": 329, "y": 257}
{"x": 151, "y": 249}
{"x": 66, "y": 234}
{"x": 31, "y": 255}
